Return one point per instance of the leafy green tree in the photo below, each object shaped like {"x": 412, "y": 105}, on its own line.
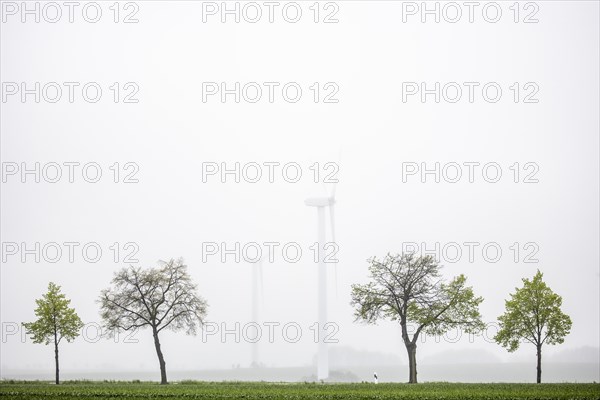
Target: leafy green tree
{"x": 409, "y": 289}
{"x": 158, "y": 298}
{"x": 533, "y": 315}
{"x": 56, "y": 321}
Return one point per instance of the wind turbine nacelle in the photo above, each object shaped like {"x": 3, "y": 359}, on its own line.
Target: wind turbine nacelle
{"x": 319, "y": 201}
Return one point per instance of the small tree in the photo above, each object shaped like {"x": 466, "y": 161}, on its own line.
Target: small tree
{"x": 533, "y": 314}
{"x": 408, "y": 289}
{"x": 55, "y": 321}
{"x": 159, "y": 298}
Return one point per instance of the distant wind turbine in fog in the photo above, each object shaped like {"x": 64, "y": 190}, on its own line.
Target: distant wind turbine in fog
{"x": 257, "y": 282}
{"x": 321, "y": 203}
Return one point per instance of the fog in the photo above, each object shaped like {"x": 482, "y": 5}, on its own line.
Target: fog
{"x": 176, "y": 134}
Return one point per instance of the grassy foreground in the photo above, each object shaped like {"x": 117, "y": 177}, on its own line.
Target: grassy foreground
{"x": 258, "y": 390}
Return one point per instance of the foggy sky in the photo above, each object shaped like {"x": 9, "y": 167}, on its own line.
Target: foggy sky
{"x": 170, "y": 133}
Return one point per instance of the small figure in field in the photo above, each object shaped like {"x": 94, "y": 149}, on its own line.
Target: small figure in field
{"x": 375, "y": 377}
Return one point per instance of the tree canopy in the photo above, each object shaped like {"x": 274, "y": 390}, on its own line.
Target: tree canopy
{"x": 56, "y": 320}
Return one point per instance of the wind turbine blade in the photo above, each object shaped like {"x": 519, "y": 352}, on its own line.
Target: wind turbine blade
{"x": 339, "y": 162}
{"x": 254, "y": 293}
{"x": 262, "y": 287}
{"x": 332, "y": 224}
{"x": 332, "y": 221}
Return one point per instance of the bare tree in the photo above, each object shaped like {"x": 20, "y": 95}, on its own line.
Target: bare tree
{"x": 408, "y": 289}
{"x": 159, "y": 298}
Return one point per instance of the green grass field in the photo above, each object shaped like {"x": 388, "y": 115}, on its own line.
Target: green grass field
{"x": 255, "y": 390}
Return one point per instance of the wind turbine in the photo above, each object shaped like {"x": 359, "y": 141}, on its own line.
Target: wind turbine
{"x": 257, "y": 281}
{"x": 322, "y": 203}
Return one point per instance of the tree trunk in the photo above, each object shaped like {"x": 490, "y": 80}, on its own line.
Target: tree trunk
{"x": 412, "y": 362}
{"x": 56, "y": 361}
{"x": 161, "y": 359}
{"x": 539, "y": 363}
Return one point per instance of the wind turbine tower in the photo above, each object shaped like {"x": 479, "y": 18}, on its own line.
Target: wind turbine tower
{"x": 257, "y": 290}
{"x": 322, "y": 203}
